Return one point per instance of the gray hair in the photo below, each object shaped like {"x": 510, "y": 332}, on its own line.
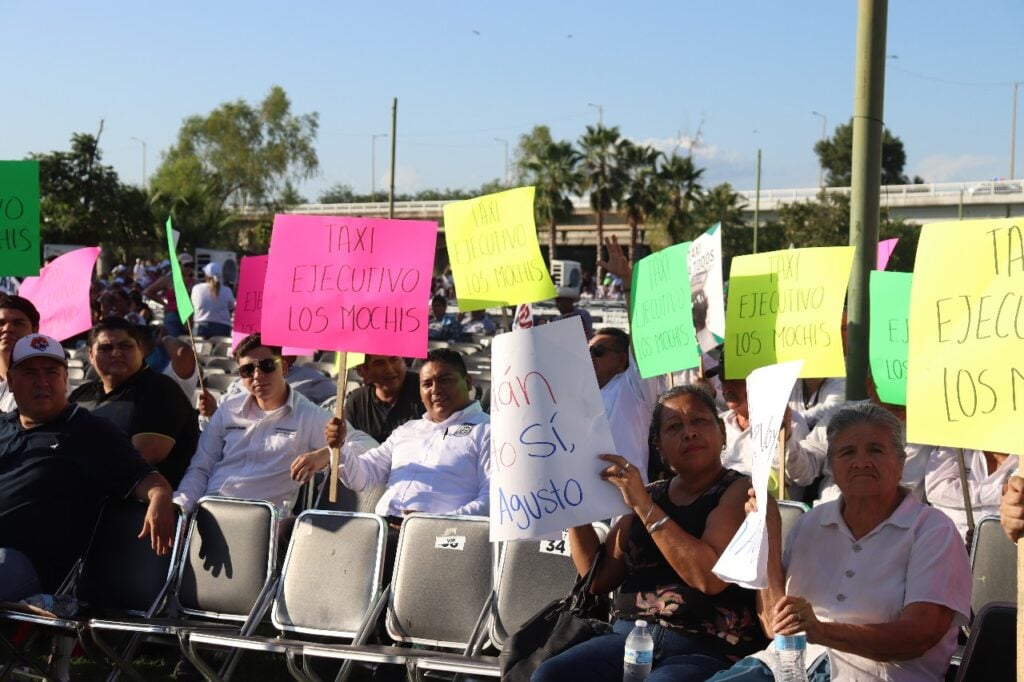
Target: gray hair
{"x": 866, "y": 413}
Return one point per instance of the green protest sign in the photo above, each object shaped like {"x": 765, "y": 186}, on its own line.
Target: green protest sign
{"x": 19, "y": 218}
{"x": 661, "y": 309}
{"x": 181, "y": 293}
{"x": 889, "y": 334}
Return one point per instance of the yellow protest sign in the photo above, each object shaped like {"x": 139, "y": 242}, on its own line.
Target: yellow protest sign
{"x": 965, "y": 384}
{"x": 787, "y": 305}
{"x": 493, "y": 249}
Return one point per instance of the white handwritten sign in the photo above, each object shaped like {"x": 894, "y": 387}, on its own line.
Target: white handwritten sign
{"x": 745, "y": 560}
{"x": 548, "y": 426}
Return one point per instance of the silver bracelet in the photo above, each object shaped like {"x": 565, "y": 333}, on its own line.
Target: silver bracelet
{"x": 657, "y": 524}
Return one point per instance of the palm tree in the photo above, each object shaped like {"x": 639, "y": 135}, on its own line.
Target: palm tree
{"x": 552, "y": 167}
{"x": 678, "y": 189}
{"x": 639, "y": 166}
{"x": 602, "y": 177}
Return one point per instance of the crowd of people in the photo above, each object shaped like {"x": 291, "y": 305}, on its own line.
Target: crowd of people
{"x": 876, "y": 574}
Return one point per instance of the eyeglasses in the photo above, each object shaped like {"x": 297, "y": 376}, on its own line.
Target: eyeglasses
{"x": 124, "y": 346}
{"x": 597, "y": 350}
{"x": 266, "y": 366}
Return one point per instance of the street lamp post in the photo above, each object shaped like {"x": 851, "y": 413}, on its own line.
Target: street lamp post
{"x": 143, "y": 143}
{"x": 504, "y": 142}
{"x": 824, "y": 133}
{"x": 373, "y": 165}
{"x": 600, "y": 113}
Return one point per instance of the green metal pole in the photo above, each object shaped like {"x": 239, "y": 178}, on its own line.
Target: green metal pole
{"x": 394, "y": 128}
{"x": 757, "y": 199}
{"x": 868, "y": 101}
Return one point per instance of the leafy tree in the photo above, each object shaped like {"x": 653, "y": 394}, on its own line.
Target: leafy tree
{"x": 835, "y": 155}
{"x": 236, "y": 157}
{"x": 552, "y": 167}
{"x": 678, "y": 188}
{"x": 339, "y": 193}
{"x": 85, "y": 202}
{"x": 602, "y": 176}
{"x": 639, "y": 199}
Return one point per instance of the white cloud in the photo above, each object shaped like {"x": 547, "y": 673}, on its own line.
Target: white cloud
{"x": 407, "y": 180}
{"x": 947, "y": 168}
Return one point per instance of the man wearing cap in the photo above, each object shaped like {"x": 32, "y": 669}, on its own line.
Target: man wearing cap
{"x": 57, "y": 464}
{"x": 566, "y": 304}
{"x": 147, "y": 406}
{"x": 18, "y": 318}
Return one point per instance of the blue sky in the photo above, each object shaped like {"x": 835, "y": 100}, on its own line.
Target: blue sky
{"x": 745, "y": 74}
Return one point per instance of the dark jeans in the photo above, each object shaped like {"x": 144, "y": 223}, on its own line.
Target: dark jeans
{"x": 677, "y": 657}
{"x": 208, "y": 330}
{"x": 753, "y": 670}
{"x": 18, "y": 577}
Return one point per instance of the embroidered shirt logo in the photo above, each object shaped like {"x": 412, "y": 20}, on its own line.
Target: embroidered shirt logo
{"x": 463, "y": 430}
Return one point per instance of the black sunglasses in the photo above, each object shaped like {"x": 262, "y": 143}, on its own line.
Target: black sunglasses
{"x": 597, "y": 350}
{"x": 266, "y": 366}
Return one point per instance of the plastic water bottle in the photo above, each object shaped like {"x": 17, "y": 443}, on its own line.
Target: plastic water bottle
{"x": 639, "y": 657}
{"x": 790, "y": 654}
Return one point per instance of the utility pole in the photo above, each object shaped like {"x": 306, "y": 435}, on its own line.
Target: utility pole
{"x": 373, "y": 165}
{"x": 143, "y": 143}
{"x": 866, "y": 176}
{"x": 600, "y": 113}
{"x": 1013, "y": 128}
{"x": 394, "y": 127}
{"x": 757, "y": 199}
{"x": 505, "y": 142}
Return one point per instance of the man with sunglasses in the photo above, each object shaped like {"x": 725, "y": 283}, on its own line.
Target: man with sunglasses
{"x": 249, "y": 445}
{"x": 145, "y": 405}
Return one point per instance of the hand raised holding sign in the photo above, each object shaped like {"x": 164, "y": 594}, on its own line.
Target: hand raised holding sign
{"x": 628, "y": 480}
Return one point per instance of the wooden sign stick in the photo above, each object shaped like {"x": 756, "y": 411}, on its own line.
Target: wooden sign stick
{"x": 782, "y": 462}
{"x": 339, "y": 411}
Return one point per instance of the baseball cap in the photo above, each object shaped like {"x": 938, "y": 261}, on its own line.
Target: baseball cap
{"x": 185, "y": 259}
{"x": 212, "y": 270}
{"x": 38, "y": 346}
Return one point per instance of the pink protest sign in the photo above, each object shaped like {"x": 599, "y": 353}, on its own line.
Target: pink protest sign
{"x": 352, "y": 284}
{"x": 251, "y": 275}
{"x": 61, "y": 293}
{"x": 885, "y": 249}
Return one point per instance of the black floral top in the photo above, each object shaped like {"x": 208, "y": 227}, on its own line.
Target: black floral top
{"x": 653, "y": 591}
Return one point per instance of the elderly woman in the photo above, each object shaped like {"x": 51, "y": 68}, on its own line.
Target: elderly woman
{"x": 877, "y": 580}
{"x": 660, "y": 557}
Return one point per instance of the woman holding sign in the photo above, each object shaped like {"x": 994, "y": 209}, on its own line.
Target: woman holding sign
{"x": 875, "y": 579}
{"x": 660, "y": 557}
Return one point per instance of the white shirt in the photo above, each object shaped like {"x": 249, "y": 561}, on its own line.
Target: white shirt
{"x": 7, "y": 402}
{"x": 821, "y": 404}
{"x": 915, "y": 555}
{"x": 440, "y": 467}
{"x": 801, "y": 468}
{"x": 247, "y": 453}
{"x": 942, "y": 484}
{"x": 210, "y": 309}
{"x": 629, "y": 402}
{"x": 189, "y": 384}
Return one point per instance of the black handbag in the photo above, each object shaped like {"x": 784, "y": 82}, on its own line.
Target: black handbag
{"x": 560, "y": 625}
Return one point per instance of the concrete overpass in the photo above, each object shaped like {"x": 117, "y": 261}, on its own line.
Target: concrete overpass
{"x": 916, "y": 204}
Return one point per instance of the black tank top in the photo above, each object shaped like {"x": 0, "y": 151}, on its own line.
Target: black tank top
{"x": 653, "y": 591}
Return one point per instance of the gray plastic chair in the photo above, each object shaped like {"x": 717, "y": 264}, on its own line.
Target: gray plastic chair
{"x": 330, "y": 587}
{"x": 993, "y": 565}
{"x": 440, "y": 594}
{"x": 226, "y": 577}
{"x": 791, "y": 511}
{"x": 990, "y": 653}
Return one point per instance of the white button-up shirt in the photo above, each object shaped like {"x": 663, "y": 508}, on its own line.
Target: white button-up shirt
{"x": 629, "y": 403}
{"x": 245, "y": 452}
{"x": 915, "y": 555}
{"x": 440, "y": 467}
{"x": 944, "y": 491}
